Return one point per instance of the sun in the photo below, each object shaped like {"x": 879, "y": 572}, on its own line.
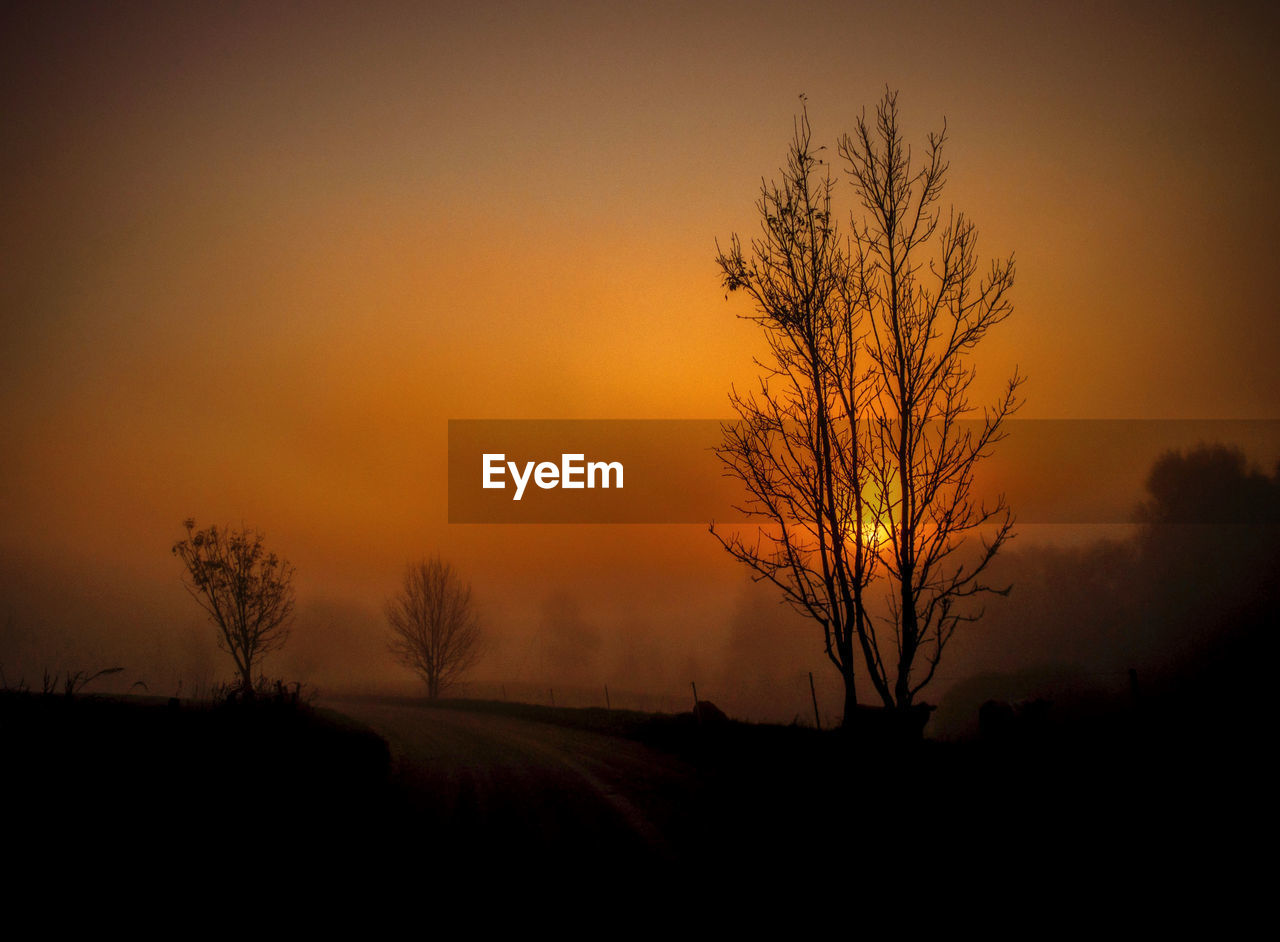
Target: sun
{"x": 875, "y": 530}
{"x": 874, "y": 534}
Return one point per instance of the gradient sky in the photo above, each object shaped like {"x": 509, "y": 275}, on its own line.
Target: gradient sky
{"x": 255, "y": 255}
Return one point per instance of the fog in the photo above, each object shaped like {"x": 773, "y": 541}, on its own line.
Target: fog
{"x": 1180, "y": 601}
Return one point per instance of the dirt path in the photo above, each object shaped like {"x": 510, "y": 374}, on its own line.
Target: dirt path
{"x": 533, "y": 794}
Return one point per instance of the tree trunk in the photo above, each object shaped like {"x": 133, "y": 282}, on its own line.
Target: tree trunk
{"x": 910, "y": 633}
{"x": 850, "y": 697}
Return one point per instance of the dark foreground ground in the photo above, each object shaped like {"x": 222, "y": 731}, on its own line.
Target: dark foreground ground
{"x": 105, "y": 775}
{"x": 487, "y": 796}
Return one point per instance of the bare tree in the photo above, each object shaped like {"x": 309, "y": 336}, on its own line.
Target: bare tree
{"x": 797, "y": 447}
{"x": 859, "y": 448}
{"x": 246, "y": 591}
{"x": 928, "y": 307}
{"x": 435, "y": 629}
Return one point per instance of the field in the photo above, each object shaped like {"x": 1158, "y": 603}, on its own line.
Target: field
{"x": 568, "y": 795}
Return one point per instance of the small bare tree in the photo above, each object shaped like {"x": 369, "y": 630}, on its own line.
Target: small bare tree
{"x": 246, "y": 591}
{"x": 435, "y": 631}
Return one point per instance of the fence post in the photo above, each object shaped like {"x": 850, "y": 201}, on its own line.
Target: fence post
{"x": 813, "y": 693}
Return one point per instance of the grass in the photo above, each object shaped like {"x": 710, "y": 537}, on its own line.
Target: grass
{"x": 138, "y": 775}
{"x": 286, "y": 785}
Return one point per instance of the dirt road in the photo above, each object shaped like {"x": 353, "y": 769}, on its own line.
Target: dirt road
{"x": 500, "y": 789}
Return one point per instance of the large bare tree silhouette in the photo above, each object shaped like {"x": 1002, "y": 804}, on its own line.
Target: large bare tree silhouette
{"x": 858, "y": 447}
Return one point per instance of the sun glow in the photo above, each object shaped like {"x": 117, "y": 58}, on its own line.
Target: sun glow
{"x": 875, "y": 533}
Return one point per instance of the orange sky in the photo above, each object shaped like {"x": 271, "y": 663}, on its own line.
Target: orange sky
{"x": 255, "y": 256}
